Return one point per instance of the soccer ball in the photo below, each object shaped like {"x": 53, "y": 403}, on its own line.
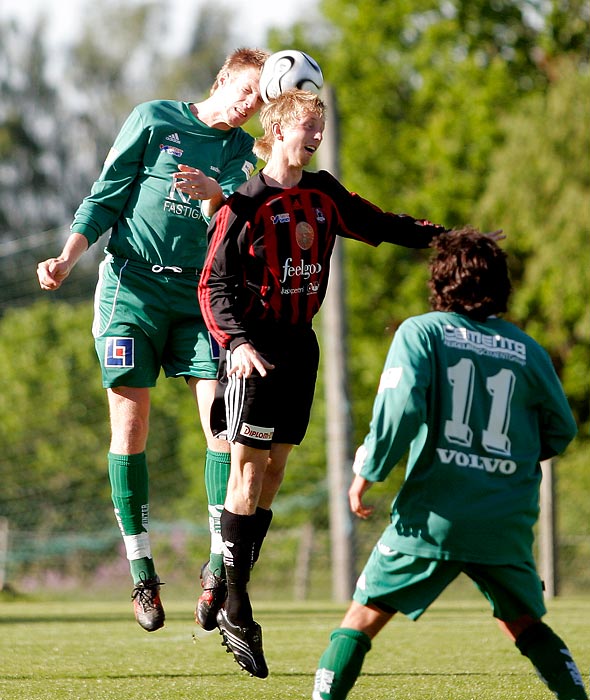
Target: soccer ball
{"x": 289, "y": 69}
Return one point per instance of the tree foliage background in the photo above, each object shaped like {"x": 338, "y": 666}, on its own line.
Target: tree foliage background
{"x": 459, "y": 112}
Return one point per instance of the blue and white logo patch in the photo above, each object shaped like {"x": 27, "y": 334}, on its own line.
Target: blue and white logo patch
{"x": 214, "y": 348}
{"x": 172, "y": 150}
{"x": 120, "y": 352}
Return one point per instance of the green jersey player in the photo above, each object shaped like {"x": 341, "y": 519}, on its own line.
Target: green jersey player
{"x": 479, "y": 405}
{"x": 170, "y": 167}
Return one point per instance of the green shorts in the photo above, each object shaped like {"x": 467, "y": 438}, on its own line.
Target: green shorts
{"x": 402, "y": 582}
{"x": 147, "y": 319}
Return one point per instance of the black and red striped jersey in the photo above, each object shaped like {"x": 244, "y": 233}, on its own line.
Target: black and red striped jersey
{"x": 269, "y": 251}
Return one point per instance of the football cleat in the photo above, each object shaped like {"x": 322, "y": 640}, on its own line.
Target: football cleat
{"x": 211, "y": 600}
{"x": 245, "y": 643}
{"x": 147, "y": 605}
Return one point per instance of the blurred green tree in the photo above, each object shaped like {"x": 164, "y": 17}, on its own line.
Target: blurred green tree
{"x": 539, "y": 188}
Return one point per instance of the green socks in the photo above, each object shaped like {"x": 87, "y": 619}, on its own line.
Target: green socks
{"x": 340, "y": 664}
{"x": 217, "y": 468}
{"x": 553, "y": 661}
{"x": 128, "y": 475}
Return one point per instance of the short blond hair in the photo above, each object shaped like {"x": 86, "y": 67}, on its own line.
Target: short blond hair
{"x": 239, "y": 60}
{"x": 286, "y": 110}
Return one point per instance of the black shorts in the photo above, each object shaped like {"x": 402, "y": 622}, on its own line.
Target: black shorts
{"x": 258, "y": 411}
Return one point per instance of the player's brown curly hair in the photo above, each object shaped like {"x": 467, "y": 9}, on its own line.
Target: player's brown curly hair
{"x": 469, "y": 274}
{"x": 286, "y": 109}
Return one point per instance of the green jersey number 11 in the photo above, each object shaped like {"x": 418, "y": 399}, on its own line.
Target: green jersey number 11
{"x": 500, "y": 386}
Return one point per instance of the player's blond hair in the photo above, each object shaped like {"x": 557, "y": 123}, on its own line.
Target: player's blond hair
{"x": 239, "y": 60}
{"x": 286, "y": 110}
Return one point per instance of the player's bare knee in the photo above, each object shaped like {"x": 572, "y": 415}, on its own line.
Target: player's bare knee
{"x": 515, "y": 628}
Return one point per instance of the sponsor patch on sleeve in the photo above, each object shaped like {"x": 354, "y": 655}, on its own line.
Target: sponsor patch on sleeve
{"x": 111, "y": 155}
{"x": 390, "y": 379}
{"x": 248, "y": 168}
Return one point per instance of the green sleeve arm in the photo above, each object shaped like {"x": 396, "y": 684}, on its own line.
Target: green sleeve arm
{"x": 400, "y": 407}
{"x": 102, "y": 207}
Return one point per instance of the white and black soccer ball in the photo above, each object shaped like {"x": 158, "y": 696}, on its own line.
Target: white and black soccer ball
{"x": 289, "y": 69}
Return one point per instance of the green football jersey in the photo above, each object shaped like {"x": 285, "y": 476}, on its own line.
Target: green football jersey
{"x": 478, "y": 404}
{"x": 151, "y": 221}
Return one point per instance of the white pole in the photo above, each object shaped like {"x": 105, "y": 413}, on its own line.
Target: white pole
{"x": 338, "y": 421}
{"x": 547, "y": 530}
{"x": 3, "y": 551}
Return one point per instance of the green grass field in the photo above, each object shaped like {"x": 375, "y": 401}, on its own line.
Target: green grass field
{"x": 93, "y": 650}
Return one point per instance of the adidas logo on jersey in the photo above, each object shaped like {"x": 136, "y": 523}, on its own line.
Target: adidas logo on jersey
{"x": 173, "y": 137}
